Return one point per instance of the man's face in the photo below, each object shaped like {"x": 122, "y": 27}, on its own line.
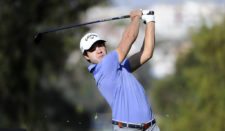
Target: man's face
{"x": 96, "y": 52}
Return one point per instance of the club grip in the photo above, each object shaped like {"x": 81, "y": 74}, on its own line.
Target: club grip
{"x": 147, "y": 12}
{"x": 151, "y": 13}
{"x": 128, "y": 16}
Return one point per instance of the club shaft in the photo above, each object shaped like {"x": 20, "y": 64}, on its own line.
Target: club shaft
{"x": 87, "y": 23}
{"x": 39, "y": 35}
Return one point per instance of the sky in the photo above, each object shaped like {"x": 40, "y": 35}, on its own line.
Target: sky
{"x": 147, "y": 3}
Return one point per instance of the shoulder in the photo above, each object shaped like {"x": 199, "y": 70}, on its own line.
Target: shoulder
{"x": 109, "y": 62}
{"x": 112, "y": 56}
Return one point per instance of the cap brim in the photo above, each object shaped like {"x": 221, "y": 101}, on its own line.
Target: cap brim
{"x": 93, "y": 44}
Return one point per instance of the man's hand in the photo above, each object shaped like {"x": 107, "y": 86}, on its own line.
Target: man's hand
{"x": 145, "y": 12}
{"x": 135, "y": 14}
{"x": 146, "y": 17}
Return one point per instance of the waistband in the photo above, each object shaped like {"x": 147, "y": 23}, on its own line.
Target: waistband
{"x": 141, "y": 126}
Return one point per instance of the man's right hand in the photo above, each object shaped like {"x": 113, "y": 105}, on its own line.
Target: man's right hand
{"x": 135, "y": 14}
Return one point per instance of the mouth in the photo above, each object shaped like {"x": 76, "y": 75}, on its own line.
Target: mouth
{"x": 101, "y": 55}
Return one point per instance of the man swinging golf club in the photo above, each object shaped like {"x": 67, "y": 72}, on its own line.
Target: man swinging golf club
{"x": 131, "y": 110}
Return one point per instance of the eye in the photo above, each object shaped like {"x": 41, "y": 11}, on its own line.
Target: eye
{"x": 92, "y": 48}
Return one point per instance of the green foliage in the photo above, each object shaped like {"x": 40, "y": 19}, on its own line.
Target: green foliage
{"x": 193, "y": 98}
{"x": 28, "y": 98}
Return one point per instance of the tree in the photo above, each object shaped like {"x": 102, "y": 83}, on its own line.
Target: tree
{"x": 28, "y": 98}
{"x": 193, "y": 98}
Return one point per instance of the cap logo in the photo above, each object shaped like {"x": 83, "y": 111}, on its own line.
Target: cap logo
{"x": 92, "y": 36}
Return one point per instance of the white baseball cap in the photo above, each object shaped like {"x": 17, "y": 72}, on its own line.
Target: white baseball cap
{"x": 88, "y": 40}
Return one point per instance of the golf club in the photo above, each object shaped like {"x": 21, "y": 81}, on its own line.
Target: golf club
{"x": 39, "y": 35}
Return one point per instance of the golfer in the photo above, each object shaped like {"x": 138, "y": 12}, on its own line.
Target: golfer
{"x": 131, "y": 110}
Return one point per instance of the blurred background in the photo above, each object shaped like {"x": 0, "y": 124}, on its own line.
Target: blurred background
{"x": 47, "y": 87}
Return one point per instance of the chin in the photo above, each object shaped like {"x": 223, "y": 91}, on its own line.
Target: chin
{"x": 100, "y": 59}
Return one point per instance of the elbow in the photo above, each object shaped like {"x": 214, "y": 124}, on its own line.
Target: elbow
{"x": 148, "y": 56}
{"x": 145, "y": 57}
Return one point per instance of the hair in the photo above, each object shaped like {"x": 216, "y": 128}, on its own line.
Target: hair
{"x": 85, "y": 54}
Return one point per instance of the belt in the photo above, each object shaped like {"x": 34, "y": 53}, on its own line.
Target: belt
{"x": 142, "y": 126}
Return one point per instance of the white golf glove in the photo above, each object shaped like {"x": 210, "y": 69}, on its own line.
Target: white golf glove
{"x": 146, "y": 17}
{"x": 145, "y": 12}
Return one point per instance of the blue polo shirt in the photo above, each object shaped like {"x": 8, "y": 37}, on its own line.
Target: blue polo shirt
{"x": 122, "y": 91}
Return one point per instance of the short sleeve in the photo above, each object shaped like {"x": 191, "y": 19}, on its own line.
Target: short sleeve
{"x": 126, "y": 65}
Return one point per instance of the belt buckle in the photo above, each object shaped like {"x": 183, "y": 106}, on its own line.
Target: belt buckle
{"x": 144, "y": 126}
{"x": 120, "y": 124}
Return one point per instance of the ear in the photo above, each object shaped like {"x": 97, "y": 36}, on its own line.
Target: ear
{"x": 86, "y": 57}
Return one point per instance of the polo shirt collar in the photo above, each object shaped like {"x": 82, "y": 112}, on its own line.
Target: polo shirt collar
{"x": 91, "y": 67}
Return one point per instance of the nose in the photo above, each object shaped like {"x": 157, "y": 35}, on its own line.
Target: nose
{"x": 98, "y": 49}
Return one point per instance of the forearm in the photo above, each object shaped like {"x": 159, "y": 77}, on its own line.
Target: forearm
{"x": 131, "y": 32}
{"x": 147, "y": 48}
{"x": 149, "y": 43}
{"x": 129, "y": 36}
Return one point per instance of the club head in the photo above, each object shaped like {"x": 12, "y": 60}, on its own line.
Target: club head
{"x": 37, "y": 38}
